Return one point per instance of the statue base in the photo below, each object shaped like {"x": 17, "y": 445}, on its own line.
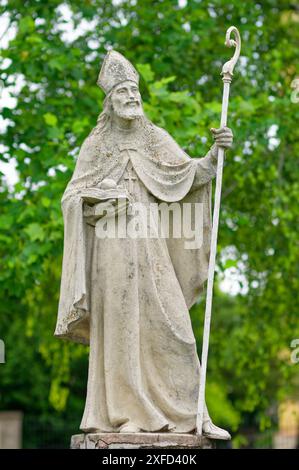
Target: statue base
{"x": 140, "y": 441}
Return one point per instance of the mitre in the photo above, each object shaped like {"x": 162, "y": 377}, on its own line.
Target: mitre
{"x": 116, "y": 69}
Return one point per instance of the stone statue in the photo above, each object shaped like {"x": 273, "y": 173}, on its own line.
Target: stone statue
{"x": 129, "y": 297}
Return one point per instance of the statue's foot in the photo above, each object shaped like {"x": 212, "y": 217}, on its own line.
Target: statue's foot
{"x": 129, "y": 428}
{"x": 212, "y": 431}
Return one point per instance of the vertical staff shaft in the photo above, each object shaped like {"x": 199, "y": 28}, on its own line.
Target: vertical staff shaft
{"x": 227, "y": 74}
{"x": 211, "y": 270}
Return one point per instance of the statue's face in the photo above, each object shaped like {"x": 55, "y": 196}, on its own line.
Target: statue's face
{"x": 126, "y": 101}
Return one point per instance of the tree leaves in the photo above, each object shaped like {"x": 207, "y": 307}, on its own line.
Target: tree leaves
{"x": 35, "y": 232}
{"x": 50, "y": 119}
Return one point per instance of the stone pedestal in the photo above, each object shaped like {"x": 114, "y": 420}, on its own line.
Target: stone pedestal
{"x": 140, "y": 441}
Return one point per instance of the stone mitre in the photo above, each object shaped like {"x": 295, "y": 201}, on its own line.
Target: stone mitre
{"x": 115, "y": 70}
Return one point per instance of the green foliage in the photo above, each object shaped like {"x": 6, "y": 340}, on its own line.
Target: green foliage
{"x": 180, "y": 52}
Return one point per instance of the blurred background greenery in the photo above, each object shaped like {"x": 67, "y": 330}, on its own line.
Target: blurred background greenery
{"x": 51, "y": 52}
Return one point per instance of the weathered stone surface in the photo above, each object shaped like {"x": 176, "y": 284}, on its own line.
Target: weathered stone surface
{"x": 140, "y": 441}
{"x": 128, "y": 293}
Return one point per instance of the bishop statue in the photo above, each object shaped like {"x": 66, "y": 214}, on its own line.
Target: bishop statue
{"x": 128, "y": 297}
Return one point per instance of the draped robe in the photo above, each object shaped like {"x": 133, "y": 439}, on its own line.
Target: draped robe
{"x": 129, "y": 298}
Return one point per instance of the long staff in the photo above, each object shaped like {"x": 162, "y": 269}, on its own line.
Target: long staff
{"x": 227, "y": 74}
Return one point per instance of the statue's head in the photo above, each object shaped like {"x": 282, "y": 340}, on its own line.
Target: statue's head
{"x": 120, "y": 81}
{"x": 125, "y": 100}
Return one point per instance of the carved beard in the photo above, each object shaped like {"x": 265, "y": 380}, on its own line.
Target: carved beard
{"x": 129, "y": 112}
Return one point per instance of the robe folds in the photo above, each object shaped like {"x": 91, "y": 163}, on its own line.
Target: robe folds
{"x": 129, "y": 298}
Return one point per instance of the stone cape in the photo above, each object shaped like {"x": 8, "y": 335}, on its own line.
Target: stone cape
{"x": 129, "y": 298}
{"x": 168, "y": 173}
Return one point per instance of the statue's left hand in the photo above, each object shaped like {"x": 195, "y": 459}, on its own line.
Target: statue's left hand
{"x": 223, "y": 137}
{"x": 110, "y": 208}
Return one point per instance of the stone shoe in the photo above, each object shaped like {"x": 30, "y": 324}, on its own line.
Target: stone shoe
{"x": 129, "y": 428}
{"x": 212, "y": 431}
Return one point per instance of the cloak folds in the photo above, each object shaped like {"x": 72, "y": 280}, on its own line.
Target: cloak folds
{"x": 169, "y": 175}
